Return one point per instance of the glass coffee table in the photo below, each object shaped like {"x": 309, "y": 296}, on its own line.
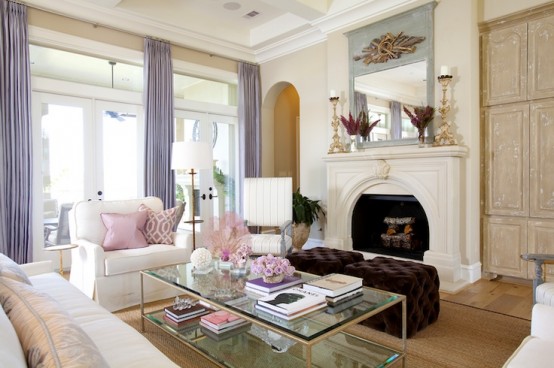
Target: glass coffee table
{"x": 317, "y": 339}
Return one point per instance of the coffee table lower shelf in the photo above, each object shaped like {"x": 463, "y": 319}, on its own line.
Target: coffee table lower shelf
{"x": 257, "y": 347}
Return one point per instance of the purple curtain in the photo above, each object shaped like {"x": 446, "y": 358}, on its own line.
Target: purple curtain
{"x": 16, "y": 239}
{"x": 249, "y": 114}
{"x": 159, "y": 179}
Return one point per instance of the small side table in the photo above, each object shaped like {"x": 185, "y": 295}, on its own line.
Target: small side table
{"x": 61, "y": 248}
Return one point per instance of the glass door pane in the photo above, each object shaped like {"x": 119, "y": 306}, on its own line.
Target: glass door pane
{"x": 225, "y": 164}
{"x": 120, "y": 136}
{"x": 61, "y": 160}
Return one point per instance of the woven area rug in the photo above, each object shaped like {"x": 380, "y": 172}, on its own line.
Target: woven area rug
{"x": 462, "y": 337}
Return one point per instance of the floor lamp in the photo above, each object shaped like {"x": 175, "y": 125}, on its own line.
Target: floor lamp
{"x": 192, "y": 156}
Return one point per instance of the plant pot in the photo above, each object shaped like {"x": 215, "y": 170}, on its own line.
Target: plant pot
{"x": 300, "y": 234}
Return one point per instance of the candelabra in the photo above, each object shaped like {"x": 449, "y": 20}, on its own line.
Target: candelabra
{"x": 336, "y": 146}
{"x": 443, "y": 136}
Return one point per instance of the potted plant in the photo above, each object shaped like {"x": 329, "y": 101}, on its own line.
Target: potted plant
{"x": 304, "y": 212}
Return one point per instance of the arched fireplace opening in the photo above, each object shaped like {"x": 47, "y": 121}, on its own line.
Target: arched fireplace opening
{"x": 394, "y": 225}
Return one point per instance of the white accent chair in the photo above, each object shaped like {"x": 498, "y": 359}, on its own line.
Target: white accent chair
{"x": 535, "y": 349}
{"x": 112, "y": 278}
{"x": 268, "y": 203}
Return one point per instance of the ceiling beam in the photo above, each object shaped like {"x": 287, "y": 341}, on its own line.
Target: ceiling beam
{"x": 306, "y": 9}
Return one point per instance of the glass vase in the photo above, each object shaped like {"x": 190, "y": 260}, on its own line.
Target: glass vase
{"x": 421, "y": 137}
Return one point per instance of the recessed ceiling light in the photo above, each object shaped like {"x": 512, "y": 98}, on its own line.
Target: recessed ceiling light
{"x": 231, "y": 6}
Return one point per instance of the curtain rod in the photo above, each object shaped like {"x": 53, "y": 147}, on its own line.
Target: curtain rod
{"x": 97, "y": 25}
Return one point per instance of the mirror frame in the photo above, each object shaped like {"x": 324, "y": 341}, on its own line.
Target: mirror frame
{"x": 417, "y": 22}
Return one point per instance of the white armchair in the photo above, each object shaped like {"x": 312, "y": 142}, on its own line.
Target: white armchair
{"x": 268, "y": 202}
{"x": 112, "y": 277}
{"x": 535, "y": 349}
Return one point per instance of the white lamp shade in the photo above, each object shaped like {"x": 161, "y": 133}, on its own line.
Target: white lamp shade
{"x": 191, "y": 155}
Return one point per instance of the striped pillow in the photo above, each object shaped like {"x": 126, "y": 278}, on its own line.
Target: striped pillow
{"x": 11, "y": 270}
{"x": 49, "y": 336}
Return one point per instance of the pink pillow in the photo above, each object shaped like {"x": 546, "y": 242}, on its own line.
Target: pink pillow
{"x": 159, "y": 225}
{"x": 125, "y": 231}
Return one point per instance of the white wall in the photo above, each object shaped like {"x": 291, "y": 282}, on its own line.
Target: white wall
{"x": 316, "y": 70}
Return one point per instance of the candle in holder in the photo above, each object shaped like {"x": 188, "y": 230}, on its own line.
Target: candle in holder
{"x": 333, "y": 93}
{"x": 445, "y": 70}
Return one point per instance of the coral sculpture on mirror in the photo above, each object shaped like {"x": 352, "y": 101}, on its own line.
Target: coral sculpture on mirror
{"x": 388, "y": 47}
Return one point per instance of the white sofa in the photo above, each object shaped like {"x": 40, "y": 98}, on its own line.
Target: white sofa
{"x": 114, "y": 343}
{"x": 112, "y": 277}
{"x": 534, "y": 351}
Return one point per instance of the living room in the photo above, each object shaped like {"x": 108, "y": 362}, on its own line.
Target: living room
{"x": 312, "y": 72}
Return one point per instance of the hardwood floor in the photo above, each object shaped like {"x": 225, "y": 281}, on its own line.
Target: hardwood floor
{"x": 502, "y": 295}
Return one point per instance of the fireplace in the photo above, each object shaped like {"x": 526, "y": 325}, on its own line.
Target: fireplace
{"x": 431, "y": 175}
{"x": 394, "y": 225}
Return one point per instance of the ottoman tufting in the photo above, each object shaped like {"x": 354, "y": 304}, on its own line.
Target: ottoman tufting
{"x": 323, "y": 261}
{"x": 419, "y": 282}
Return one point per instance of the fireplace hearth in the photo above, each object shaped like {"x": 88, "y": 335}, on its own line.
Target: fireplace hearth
{"x": 394, "y": 225}
{"x": 433, "y": 175}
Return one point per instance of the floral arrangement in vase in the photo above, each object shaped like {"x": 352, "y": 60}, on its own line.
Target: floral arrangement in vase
{"x": 240, "y": 257}
{"x": 365, "y": 126}
{"x": 273, "y": 269}
{"x": 228, "y": 238}
{"x": 420, "y": 118}
{"x": 351, "y": 125}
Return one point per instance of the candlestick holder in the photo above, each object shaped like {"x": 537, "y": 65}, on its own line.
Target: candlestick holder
{"x": 336, "y": 145}
{"x": 443, "y": 136}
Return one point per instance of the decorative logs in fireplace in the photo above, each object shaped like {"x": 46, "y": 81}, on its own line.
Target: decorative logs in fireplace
{"x": 393, "y": 225}
{"x": 400, "y": 233}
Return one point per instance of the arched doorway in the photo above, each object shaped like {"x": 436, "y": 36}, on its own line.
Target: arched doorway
{"x": 280, "y": 132}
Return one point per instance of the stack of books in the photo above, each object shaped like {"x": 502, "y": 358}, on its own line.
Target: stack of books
{"x": 337, "y": 288}
{"x": 291, "y": 303}
{"x": 260, "y": 287}
{"x": 222, "y": 325}
{"x": 181, "y": 318}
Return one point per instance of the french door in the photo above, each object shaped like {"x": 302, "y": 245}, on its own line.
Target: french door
{"x": 84, "y": 149}
{"x": 214, "y": 190}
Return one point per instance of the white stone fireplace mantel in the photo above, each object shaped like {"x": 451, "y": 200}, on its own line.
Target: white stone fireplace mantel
{"x": 431, "y": 174}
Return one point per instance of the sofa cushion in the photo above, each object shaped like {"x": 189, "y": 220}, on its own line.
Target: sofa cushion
{"x": 11, "y": 353}
{"x": 533, "y": 352}
{"x": 124, "y": 231}
{"x": 48, "y": 335}
{"x": 85, "y": 221}
{"x": 159, "y": 225}
{"x": 11, "y": 270}
{"x": 134, "y": 260}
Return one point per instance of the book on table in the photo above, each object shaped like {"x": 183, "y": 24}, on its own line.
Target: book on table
{"x": 344, "y": 297}
{"x": 221, "y": 320}
{"x": 334, "y": 284}
{"x": 337, "y": 308}
{"x": 258, "y": 285}
{"x": 222, "y": 335}
{"x": 179, "y": 315}
{"x": 184, "y": 326}
{"x": 290, "y": 316}
{"x": 291, "y": 301}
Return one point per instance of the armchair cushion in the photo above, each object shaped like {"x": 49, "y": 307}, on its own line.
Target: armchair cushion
{"x": 124, "y": 231}
{"x": 159, "y": 225}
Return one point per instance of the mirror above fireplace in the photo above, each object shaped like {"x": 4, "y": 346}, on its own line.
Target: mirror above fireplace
{"x": 391, "y": 65}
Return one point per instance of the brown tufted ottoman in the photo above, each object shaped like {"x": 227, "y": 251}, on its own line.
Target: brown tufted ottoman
{"x": 419, "y": 282}
{"x": 323, "y": 261}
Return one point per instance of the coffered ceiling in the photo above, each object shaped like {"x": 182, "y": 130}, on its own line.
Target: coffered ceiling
{"x": 251, "y": 30}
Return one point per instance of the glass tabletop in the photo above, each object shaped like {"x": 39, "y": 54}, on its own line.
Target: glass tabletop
{"x": 221, "y": 287}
